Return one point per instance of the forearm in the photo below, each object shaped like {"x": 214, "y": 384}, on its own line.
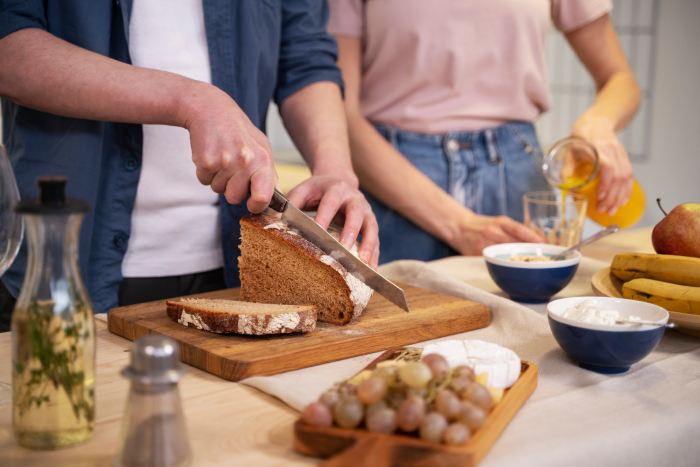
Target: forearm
{"x": 43, "y": 72}
{"x": 617, "y": 101}
{"x": 398, "y": 184}
{"x": 315, "y": 120}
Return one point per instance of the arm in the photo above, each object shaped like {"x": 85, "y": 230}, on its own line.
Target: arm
{"x": 309, "y": 98}
{"x": 616, "y": 103}
{"x": 394, "y": 181}
{"x": 43, "y": 72}
{"x": 315, "y": 120}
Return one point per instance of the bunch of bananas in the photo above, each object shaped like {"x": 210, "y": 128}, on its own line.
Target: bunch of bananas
{"x": 672, "y": 282}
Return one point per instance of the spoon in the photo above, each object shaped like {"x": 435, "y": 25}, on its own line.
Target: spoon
{"x": 640, "y": 322}
{"x": 603, "y": 233}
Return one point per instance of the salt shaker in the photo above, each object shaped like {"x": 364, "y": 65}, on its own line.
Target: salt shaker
{"x": 153, "y": 431}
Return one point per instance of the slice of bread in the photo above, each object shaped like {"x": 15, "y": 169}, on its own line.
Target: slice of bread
{"x": 277, "y": 265}
{"x": 230, "y": 316}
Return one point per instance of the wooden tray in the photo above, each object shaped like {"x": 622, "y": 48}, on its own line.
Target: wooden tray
{"x": 605, "y": 284}
{"x": 349, "y": 448}
{"x": 235, "y": 357}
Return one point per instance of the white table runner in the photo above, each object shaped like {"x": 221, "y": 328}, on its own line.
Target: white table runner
{"x": 648, "y": 416}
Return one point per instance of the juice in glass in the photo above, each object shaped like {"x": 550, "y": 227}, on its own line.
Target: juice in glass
{"x": 572, "y": 165}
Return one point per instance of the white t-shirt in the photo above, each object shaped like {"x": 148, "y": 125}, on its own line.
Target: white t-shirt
{"x": 175, "y": 226}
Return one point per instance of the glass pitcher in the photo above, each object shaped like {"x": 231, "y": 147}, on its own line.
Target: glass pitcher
{"x": 573, "y": 165}
{"x": 53, "y": 332}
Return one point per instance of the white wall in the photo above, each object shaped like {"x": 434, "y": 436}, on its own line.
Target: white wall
{"x": 672, "y": 171}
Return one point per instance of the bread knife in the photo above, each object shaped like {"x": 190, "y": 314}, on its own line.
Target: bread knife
{"x": 311, "y": 231}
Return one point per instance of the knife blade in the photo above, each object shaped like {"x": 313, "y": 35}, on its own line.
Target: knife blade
{"x": 310, "y": 230}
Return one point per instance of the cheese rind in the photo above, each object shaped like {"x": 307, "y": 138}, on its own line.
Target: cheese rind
{"x": 501, "y": 364}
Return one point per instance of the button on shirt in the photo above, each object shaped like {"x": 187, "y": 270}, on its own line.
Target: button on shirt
{"x": 259, "y": 50}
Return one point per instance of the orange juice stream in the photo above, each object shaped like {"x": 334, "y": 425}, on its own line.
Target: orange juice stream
{"x": 625, "y": 216}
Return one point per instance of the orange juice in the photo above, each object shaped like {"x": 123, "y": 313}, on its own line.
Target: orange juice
{"x": 625, "y": 216}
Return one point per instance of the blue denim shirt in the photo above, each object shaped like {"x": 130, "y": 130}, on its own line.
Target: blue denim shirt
{"x": 259, "y": 50}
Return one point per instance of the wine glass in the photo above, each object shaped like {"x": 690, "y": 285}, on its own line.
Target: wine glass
{"x": 11, "y": 230}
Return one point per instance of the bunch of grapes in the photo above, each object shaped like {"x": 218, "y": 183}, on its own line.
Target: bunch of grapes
{"x": 440, "y": 404}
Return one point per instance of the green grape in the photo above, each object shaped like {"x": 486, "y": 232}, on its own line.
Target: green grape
{"x": 415, "y": 375}
{"x": 456, "y": 435}
{"x": 317, "y": 414}
{"x": 472, "y": 416}
{"x": 448, "y": 404}
{"x": 382, "y": 421}
{"x": 433, "y": 427}
{"x": 387, "y": 373}
{"x": 329, "y": 397}
{"x": 371, "y": 390}
{"x": 411, "y": 413}
{"x": 348, "y": 412}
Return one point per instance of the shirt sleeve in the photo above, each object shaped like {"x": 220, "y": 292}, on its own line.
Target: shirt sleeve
{"x": 21, "y": 14}
{"x": 569, "y": 15}
{"x": 307, "y": 52}
{"x": 346, "y": 18}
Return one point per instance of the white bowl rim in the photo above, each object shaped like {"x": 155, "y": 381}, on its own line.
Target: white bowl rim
{"x": 490, "y": 251}
{"x": 604, "y": 327}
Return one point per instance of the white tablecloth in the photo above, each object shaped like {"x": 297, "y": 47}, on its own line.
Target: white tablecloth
{"x": 649, "y": 416}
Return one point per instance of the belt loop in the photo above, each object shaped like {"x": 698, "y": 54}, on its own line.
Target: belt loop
{"x": 490, "y": 138}
{"x": 392, "y": 134}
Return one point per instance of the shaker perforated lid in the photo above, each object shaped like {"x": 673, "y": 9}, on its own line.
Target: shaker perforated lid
{"x": 155, "y": 360}
{"x": 52, "y": 199}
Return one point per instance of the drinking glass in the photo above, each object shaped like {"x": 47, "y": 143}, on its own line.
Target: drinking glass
{"x": 559, "y": 219}
{"x": 11, "y": 230}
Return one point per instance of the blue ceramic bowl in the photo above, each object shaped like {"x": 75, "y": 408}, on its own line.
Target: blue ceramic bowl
{"x": 607, "y": 348}
{"x": 530, "y": 282}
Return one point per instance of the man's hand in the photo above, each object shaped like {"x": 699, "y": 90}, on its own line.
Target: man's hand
{"x": 615, "y": 169}
{"x": 478, "y": 232}
{"x": 338, "y": 200}
{"x": 230, "y": 153}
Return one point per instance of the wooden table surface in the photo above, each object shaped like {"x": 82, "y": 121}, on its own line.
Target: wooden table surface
{"x": 228, "y": 423}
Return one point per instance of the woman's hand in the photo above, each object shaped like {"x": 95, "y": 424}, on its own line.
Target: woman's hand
{"x": 477, "y": 232}
{"x": 335, "y": 197}
{"x": 615, "y": 169}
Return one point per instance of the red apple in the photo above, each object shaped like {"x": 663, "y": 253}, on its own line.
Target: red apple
{"x": 679, "y": 232}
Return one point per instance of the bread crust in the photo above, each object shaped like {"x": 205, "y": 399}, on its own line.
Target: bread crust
{"x": 250, "y": 324}
{"x": 355, "y": 293}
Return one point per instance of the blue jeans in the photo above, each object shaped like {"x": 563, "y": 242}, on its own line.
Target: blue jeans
{"x": 487, "y": 171}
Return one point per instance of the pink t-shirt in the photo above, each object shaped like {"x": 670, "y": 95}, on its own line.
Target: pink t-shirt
{"x": 434, "y": 66}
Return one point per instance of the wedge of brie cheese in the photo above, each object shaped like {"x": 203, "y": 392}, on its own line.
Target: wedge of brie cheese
{"x": 501, "y": 364}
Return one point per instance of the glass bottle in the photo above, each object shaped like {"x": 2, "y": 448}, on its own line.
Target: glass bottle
{"x": 573, "y": 165}
{"x": 53, "y": 332}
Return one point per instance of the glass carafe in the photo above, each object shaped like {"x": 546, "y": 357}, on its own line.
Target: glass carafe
{"x": 572, "y": 165}
{"x": 53, "y": 332}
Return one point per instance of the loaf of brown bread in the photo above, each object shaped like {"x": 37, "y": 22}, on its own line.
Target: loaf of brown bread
{"x": 230, "y": 316}
{"x": 279, "y": 266}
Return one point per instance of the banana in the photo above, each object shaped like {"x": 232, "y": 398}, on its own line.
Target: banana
{"x": 672, "y": 297}
{"x": 682, "y": 270}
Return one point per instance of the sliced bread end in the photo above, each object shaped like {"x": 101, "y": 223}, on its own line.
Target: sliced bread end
{"x": 230, "y": 316}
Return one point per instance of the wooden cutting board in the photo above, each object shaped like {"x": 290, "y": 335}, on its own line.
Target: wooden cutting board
{"x": 382, "y": 325}
{"x": 354, "y": 447}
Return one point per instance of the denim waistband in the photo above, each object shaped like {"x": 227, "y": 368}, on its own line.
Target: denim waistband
{"x": 484, "y": 143}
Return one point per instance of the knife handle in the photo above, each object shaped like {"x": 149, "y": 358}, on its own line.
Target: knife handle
{"x": 279, "y": 201}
